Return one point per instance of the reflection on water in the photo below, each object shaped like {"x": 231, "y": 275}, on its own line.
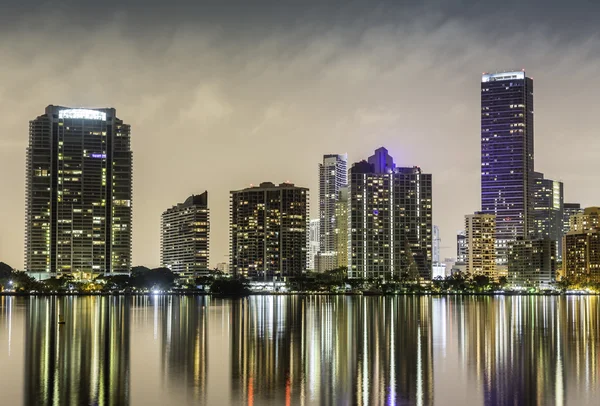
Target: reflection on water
{"x": 301, "y": 350}
{"x": 81, "y": 362}
{"x": 338, "y": 350}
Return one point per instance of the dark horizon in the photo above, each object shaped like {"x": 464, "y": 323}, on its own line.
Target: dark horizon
{"x": 220, "y": 96}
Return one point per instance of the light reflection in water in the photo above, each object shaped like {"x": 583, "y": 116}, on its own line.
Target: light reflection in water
{"x": 301, "y": 350}
{"x": 84, "y": 361}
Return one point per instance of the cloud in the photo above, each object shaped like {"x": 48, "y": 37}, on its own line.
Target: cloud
{"x": 218, "y": 105}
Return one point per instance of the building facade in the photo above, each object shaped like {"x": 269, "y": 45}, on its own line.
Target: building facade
{"x": 184, "y": 237}
{"x": 314, "y": 235}
{"x": 461, "y": 247}
{"x": 268, "y": 231}
{"x": 507, "y": 155}
{"x": 581, "y": 246}
{"x": 78, "y": 194}
{"x": 480, "y": 230}
{"x": 569, "y": 210}
{"x": 548, "y": 210}
{"x": 341, "y": 231}
{"x": 333, "y": 175}
{"x": 532, "y": 263}
{"x": 436, "y": 245}
{"x": 390, "y": 223}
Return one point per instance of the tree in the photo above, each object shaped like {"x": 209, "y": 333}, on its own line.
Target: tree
{"x": 159, "y": 278}
{"x": 230, "y": 288}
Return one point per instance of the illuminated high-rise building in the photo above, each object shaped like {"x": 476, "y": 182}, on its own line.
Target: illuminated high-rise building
{"x": 333, "y": 175}
{"x": 461, "y": 247}
{"x": 269, "y": 231}
{"x": 588, "y": 219}
{"x": 341, "y": 231}
{"x": 436, "y": 245}
{"x": 79, "y": 190}
{"x": 569, "y": 210}
{"x": 390, "y": 223}
{"x": 480, "y": 244}
{"x": 314, "y": 235}
{"x": 548, "y": 211}
{"x": 507, "y": 155}
{"x": 581, "y": 246}
{"x": 184, "y": 238}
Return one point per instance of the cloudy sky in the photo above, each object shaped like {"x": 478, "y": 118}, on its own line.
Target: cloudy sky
{"x": 222, "y": 94}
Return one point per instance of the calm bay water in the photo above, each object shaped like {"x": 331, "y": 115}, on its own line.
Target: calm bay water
{"x": 300, "y": 350}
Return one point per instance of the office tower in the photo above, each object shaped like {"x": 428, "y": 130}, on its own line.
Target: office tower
{"x": 461, "y": 247}
{"x": 581, "y": 246}
{"x": 390, "y": 223}
{"x": 78, "y": 195}
{"x": 507, "y": 155}
{"x": 184, "y": 237}
{"x": 269, "y": 231}
{"x": 548, "y": 210}
{"x": 480, "y": 232}
{"x": 341, "y": 231}
{"x": 532, "y": 263}
{"x": 436, "y": 245}
{"x": 333, "y": 176}
{"x": 313, "y": 243}
{"x": 570, "y": 209}
{"x": 587, "y": 220}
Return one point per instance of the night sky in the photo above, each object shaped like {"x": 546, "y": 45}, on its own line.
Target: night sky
{"x": 224, "y": 94}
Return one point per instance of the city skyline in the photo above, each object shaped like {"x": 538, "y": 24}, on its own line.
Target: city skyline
{"x": 315, "y": 113}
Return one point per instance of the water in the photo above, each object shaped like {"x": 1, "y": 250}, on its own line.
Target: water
{"x": 300, "y": 350}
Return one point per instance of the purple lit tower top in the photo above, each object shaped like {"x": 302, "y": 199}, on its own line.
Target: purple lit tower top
{"x": 382, "y": 161}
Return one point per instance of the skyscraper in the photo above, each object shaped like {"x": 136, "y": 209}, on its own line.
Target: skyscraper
{"x": 581, "y": 257}
{"x": 461, "y": 247}
{"x": 570, "y": 209}
{"x": 269, "y": 231}
{"x": 507, "y": 155}
{"x": 390, "y": 220}
{"x": 184, "y": 239}
{"x": 480, "y": 248}
{"x": 548, "y": 209}
{"x": 341, "y": 231}
{"x": 79, "y": 182}
{"x": 436, "y": 245}
{"x": 333, "y": 176}
{"x": 314, "y": 235}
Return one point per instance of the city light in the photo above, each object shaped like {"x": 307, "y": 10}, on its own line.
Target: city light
{"x": 85, "y": 114}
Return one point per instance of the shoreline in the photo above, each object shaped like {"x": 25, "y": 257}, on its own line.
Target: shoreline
{"x": 370, "y": 294}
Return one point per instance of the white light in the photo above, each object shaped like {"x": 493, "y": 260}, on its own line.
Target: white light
{"x": 492, "y": 77}
{"x": 82, "y": 113}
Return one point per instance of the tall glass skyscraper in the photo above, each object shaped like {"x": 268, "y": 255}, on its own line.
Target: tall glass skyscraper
{"x": 507, "y": 155}
{"x": 548, "y": 210}
{"x": 333, "y": 175}
{"x": 79, "y": 187}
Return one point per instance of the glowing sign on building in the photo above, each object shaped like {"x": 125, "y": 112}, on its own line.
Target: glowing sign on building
{"x": 83, "y": 114}
{"x": 494, "y": 77}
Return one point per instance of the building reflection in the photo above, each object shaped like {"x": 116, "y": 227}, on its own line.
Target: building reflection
{"x": 6, "y": 321}
{"x": 84, "y": 361}
{"x": 184, "y": 345}
{"x": 332, "y": 350}
{"x": 528, "y": 350}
